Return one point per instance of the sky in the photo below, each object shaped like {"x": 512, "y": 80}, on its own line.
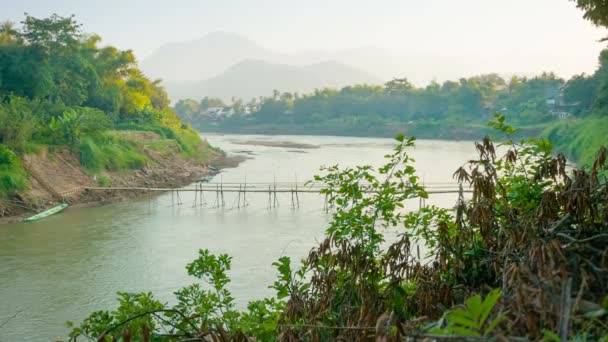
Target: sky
{"x": 517, "y": 35}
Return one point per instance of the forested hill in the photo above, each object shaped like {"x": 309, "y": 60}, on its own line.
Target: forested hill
{"x": 451, "y": 110}
{"x": 60, "y": 88}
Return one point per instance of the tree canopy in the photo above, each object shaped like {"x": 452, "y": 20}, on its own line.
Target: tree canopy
{"x": 596, "y": 11}
{"x": 60, "y": 86}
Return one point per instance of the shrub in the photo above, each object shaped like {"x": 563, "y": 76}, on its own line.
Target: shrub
{"x": 104, "y": 181}
{"x": 17, "y": 122}
{"x": 12, "y": 176}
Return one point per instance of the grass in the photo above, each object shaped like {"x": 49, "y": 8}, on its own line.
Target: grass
{"x": 124, "y": 149}
{"x": 104, "y": 181}
{"x": 579, "y": 139}
{"x": 110, "y": 153}
{"x": 13, "y": 177}
{"x": 189, "y": 140}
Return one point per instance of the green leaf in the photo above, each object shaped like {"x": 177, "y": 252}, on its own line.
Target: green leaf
{"x": 456, "y": 330}
{"x": 460, "y": 317}
{"x": 550, "y": 336}
{"x": 474, "y": 306}
{"x": 488, "y": 304}
{"x": 596, "y": 313}
{"x": 494, "y": 324}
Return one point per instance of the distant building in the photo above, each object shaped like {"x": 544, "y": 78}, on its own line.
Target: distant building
{"x": 554, "y": 99}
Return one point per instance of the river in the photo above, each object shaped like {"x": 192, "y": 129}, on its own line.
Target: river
{"x": 65, "y": 266}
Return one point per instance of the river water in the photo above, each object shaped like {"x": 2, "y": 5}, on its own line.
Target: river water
{"x": 66, "y": 266}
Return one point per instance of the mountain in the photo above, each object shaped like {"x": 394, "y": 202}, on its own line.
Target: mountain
{"x": 226, "y": 64}
{"x": 252, "y": 78}
{"x": 203, "y": 58}
{"x": 206, "y": 64}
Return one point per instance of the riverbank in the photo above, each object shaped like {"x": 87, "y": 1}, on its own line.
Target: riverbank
{"x": 422, "y": 130}
{"x": 56, "y": 175}
{"x": 579, "y": 139}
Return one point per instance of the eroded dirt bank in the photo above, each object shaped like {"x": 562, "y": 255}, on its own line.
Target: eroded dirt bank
{"x": 56, "y": 176}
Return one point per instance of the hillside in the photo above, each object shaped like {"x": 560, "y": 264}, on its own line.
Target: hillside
{"x": 83, "y": 115}
{"x": 252, "y": 78}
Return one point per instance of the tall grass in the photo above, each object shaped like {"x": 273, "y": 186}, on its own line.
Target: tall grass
{"x": 188, "y": 139}
{"x": 110, "y": 153}
{"x": 579, "y": 139}
{"x": 12, "y": 176}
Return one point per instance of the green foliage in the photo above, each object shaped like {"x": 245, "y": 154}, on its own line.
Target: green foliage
{"x": 499, "y": 125}
{"x": 596, "y": 11}
{"x": 214, "y": 307}
{"x": 58, "y": 86}
{"x": 12, "y": 176}
{"x": 110, "y": 153}
{"x": 75, "y": 123}
{"x": 579, "y": 139}
{"x": 374, "y": 110}
{"x": 104, "y": 181}
{"x": 130, "y": 319}
{"x": 473, "y": 319}
{"x": 17, "y": 122}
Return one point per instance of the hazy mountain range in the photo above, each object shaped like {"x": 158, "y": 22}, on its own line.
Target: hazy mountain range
{"x": 226, "y": 65}
{"x": 229, "y": 65}
{"x": 252, "y": 78}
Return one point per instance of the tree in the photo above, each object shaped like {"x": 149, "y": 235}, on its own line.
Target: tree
{"x": 398, "y": 86}
{"x": 187, "y": 109}
{"x": 580, "y": 91}
{"x": 8, "y": 34}
{"x": 601, "y": 75}
{"x": 209, "y": 102}
{"x": 53, "y": 33}
{"x": 17, "y": 121}
{"x": 596, "y": 11}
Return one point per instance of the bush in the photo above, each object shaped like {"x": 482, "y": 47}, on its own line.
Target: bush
{"x": 104, "y": 181}
{"x": 17, "y": 122}
{"x": 12, "y": 176}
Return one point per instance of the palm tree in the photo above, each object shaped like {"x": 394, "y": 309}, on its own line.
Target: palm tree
{"x": 8, "y": 34}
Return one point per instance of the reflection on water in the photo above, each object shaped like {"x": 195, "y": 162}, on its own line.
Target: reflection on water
{"x": 65, "y": 266}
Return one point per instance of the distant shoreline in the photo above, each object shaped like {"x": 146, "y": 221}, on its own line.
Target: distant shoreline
{"x": 420, "y": 131}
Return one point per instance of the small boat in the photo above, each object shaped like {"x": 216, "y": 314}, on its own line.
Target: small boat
{"x": 46, "y": 213}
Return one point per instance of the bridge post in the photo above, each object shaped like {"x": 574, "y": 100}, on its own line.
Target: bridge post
{"x": 276, "y": 201}
{"x": 217, "y": 196}
{"x": 222, "y": 193}
{"x": 203, "y": 199}
{"x": 269, "y": 198}
{"x": 245, "y": 193}
{"x": 297, "y": 198}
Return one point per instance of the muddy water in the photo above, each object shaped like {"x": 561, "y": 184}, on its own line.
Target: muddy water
{"x": 68, "y": 265}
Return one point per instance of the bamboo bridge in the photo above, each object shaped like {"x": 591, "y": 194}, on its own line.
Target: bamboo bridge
{"x": 272, "y": 190}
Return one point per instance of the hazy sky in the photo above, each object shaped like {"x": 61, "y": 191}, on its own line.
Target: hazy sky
{"x": 518, "y": 35}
